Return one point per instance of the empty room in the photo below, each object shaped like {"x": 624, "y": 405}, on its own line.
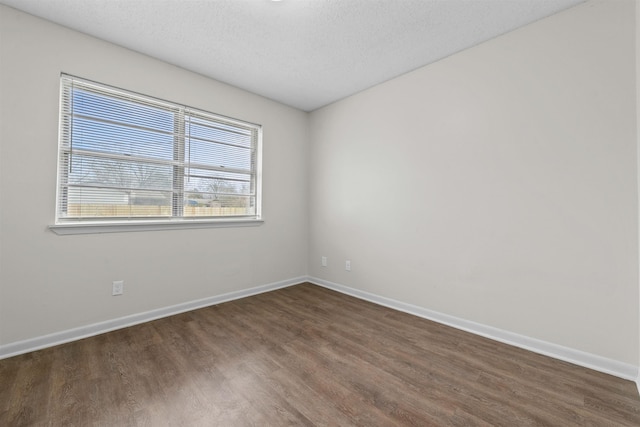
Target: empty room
{"x": 319, "y": 212}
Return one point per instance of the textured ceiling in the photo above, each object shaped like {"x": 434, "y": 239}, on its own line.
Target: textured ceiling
{"x": 304, "y": 53}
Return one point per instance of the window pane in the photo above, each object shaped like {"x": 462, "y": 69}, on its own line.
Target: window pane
{"x": 218, "y": 155}
{"x": 114, "y": 138}
{"x": 217, "y": 186}
{"x": 212, "y": 131}
{"x": 198, "y": 206}
{"x": 89, "y": 202}
{"x": 113, "y": 108}
{"x": 105, "y": 172}
{"x": 209, "y": 173}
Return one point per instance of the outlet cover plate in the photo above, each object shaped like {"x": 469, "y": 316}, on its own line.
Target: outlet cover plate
{"x": 118, "y": 287}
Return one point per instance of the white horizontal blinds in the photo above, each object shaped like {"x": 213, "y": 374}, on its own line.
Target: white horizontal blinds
{"x": 220, "y": 170}
{"x": 118, "y": 153}
{"x": 127, "y": 156}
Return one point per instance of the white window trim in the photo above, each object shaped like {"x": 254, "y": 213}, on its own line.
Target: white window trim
{"x": 89, "y": 226}
{"x": 94, "y": 227}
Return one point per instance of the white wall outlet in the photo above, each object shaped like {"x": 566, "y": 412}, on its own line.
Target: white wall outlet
{"x": 118, "y": 287}
{"x": 347, "y": 265}
{"x": 324, "y": 261}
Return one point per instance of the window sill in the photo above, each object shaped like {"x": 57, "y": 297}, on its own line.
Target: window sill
{"x": 87, "y": 227}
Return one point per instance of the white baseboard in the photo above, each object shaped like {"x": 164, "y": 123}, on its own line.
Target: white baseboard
{"x": 577, "y": 357}
{"x": 20, "y": 347}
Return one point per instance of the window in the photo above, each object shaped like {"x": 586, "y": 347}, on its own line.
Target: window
{"x": 125, "y": 157}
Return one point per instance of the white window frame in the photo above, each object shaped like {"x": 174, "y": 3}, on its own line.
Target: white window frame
{"x": 67, "y": 224}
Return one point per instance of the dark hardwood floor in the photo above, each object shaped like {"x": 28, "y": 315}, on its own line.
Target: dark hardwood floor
{"x": 305, "y": 356}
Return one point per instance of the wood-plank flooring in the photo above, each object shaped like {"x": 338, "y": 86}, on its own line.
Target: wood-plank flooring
{"x": 307, "y": 356}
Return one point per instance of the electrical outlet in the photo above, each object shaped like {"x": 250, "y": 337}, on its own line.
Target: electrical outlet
{"x": 347, "y": 265}
{"x": 324, "y": 261}
{"x": 118, "y": 287}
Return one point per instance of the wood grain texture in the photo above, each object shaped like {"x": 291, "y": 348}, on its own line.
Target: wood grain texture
{"x": 303, "y": 356}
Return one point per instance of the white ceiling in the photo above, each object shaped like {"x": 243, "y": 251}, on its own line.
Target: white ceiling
{"x": 304, "y": 53}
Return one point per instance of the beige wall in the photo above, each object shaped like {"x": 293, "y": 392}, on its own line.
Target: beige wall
{"x": 497, "y": 185}
{"x": 637, "y": 52}
{"x": 51, "y": 283}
